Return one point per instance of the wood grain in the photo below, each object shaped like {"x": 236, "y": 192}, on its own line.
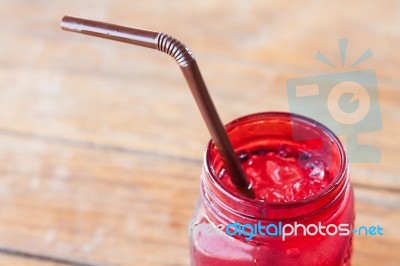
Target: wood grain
{"x": 101, "y": 143}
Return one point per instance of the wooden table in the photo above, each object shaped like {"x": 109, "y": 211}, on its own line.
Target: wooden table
{"x": 101, "y": 143}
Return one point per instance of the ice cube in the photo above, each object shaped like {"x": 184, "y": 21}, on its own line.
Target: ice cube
{"x": 253, "y": 172}
{"x": 316, "y": 170}
{"x": 273, "y": 171}
{"x": 221, "y": 173}
{"x": 285, "y": 151}
{"x": 289, "y": 193}
{"x": 282, "y": 174}
{"x": 279, "y": 195}
{"x": 243, "y": 156}
{"x": 304, "y": 156}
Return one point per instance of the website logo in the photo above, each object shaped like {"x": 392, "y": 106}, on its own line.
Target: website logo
{"x": 283, "y": 231}
{"x": 346, "y": 102}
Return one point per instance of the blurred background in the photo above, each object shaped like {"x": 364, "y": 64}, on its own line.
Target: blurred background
{"x": 101, "y": 143}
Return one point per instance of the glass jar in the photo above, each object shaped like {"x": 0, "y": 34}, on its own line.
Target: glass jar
{"x": 224, "y": 220}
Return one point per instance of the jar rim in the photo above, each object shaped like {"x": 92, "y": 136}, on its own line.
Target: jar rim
{"x": 339, "y": 175}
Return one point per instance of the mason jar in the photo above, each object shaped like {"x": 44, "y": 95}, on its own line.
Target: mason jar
{"x": 225, "y": 230}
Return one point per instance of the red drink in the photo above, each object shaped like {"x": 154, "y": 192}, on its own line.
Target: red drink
{"x": 299, "y": 174}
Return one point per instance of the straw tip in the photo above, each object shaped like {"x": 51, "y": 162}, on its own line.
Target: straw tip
{"x": 247, "y": 192}
{"x": 63, "y": 21}
{"x": 67, "y": 23}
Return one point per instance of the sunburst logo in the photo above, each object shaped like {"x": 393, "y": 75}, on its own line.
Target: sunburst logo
{"x": 346, "y": 101}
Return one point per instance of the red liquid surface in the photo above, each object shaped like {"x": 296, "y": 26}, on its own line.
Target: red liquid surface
{"x": 282, "y": 174}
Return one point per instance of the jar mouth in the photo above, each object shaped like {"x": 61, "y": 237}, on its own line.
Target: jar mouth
{"x": 218, "y": 188}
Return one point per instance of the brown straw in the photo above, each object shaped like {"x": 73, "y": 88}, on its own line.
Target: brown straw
{"x": 191, "y": 72}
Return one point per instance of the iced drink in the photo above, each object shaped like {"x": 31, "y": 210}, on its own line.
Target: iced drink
{"x": 299, "y": 174}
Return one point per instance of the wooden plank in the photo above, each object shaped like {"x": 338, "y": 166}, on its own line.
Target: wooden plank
{"x": 117, "y": 208}
{"x": 23, "y": 261}
{"x": 15, "y": 257}
{"x": 98, "y": 116}
{"x": 123, "y": 208}
{"x": 375, "y": 208}
{"x": 279, "y": 34}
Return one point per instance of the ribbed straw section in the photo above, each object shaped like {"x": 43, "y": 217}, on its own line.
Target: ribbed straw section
{"x": 174, "y": 48}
